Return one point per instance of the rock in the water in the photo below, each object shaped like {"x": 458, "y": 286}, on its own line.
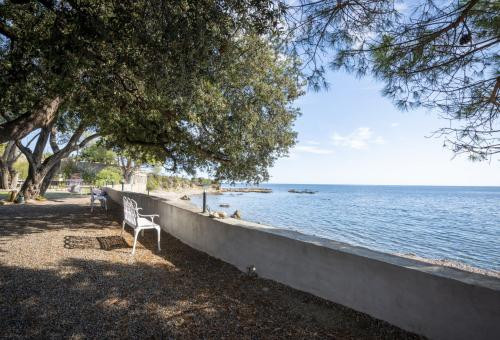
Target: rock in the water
{"x": 236, "y": 214}
{"x": 224, "y": 205}
{"x": 217, "y": 214}
{"x": 185, "y": 198}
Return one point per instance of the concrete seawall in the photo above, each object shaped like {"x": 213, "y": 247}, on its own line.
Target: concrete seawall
{"x": 435, "y": 301}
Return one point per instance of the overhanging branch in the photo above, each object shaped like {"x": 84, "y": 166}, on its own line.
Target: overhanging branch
{"x": 6, "y": 31}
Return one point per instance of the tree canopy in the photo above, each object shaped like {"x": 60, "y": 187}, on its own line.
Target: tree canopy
{"x": 235, "y": 123}
{"x": 209, "y": 84}
{"x": 98, "y": 153}
{"x": 432, "y": 54}
{"x": 189, "y": 83}
{"x": 106, "y": 52}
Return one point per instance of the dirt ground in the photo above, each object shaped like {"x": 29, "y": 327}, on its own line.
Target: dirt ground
{"x": 56, "y": 281}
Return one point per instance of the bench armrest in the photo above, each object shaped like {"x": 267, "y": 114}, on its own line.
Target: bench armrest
{"x": 150, "y": 216}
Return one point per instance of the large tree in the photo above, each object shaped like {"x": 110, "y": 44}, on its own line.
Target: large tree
{"x": 193, "y": 84}
{"x": 58, "y": 50}
{"x": 435, "y": 54}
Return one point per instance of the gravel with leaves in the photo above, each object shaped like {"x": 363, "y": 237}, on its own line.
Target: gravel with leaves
{"x": 56, "y": 281}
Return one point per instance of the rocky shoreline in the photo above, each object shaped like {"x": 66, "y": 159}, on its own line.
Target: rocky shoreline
{"x": 259, "y": 190}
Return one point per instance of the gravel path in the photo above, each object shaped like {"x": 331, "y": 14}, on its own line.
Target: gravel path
{"x": 56, "y": 281}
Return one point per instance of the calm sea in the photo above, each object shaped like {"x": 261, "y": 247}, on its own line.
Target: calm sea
{"x": 453, "y": 223}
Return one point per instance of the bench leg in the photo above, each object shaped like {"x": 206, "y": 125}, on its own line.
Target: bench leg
{"x": 136, "y": 233}
{"x": 123, "y": 228}
{"x": 159, "y": 232}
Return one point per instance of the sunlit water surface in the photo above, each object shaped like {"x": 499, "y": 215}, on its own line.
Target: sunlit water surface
{"x": 454, "y": 223}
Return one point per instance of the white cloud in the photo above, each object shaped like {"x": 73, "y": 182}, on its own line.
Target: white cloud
{"x": 312, "y": 142}
{"x": 359, "y": 139}
{"x": 394, "y": 124}
{"x": 312, "y": 149}
{"x": 379, "y": 140}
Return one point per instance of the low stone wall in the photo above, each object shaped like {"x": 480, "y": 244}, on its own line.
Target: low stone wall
{"x": 438, "y": 302}
{"x": 129, "y": 187}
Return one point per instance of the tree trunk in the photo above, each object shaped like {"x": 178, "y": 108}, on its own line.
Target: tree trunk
{"x": 31, "y": 186}
{"x": 14, "y": 176}
{"x": 127, "y": 175}
{"x": 4, "y": 177}
{"x": 128, "y": 168}
{"x": 48, "y": 178}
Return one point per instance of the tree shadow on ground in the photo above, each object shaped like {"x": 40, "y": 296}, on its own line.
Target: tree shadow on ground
{"x": 202, "y": 297}
{"x": 58, "y": 196}
{"x": 175, "y": 293}
{"x": 19, "y": 219}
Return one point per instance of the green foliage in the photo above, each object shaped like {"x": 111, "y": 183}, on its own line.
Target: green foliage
{"x": 236, "y": 123}
{"x": 202, "y": 181}
{"x": 108, "y": 175}
{"x": 192, "y": 84}
{"x": 152, "y": 183}
{"x": 435, "y": 54}
{"x": 22, "y": 167}
{"x": 98, "y": 153}
{"x": 167, "y": 183}
{"x": 89, "y": 176}
{"x": 69, "y": 168}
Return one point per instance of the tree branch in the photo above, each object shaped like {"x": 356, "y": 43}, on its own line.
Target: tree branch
{"x": 26, "y": 151}
{"x": 70, "y": 146}
{"x": 21, "y": 126}
{"x": 6, "y": 31}
{"x": 493, "y": 97}
{"x": 87, "y": 140}
{"x": 454, "y": 24}
{"x": 53, "y": 140}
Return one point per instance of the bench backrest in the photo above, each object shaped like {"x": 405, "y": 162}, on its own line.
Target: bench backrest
{"x": 130, "y": 211}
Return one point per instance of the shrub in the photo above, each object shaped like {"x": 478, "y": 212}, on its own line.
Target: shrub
{"x": 89, "y": 176}
{"x": 69, "y": 168}
{"x": 152, "y": 183}
{"x": 108, "y": 175}
{"x": 22, "y": 166}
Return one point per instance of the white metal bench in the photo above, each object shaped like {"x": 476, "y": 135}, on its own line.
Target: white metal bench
{"x": 138, "y": 221}
{"x": 98, "y": 195}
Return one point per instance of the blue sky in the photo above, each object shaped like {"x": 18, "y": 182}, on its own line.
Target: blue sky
{"x": 351, "y": 134}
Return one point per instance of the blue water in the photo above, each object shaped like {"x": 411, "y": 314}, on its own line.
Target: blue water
{"x": 454, "y": 223}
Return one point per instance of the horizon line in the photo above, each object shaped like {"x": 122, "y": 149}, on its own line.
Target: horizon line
{"x": 399, "y": 185}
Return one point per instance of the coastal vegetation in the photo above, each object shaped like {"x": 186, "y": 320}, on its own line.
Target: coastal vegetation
{"x": 173, "y": 183}
{"x": 100, "y": 90}
{"x": 204, "y": 86}
{"x": 192, "y": 85}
